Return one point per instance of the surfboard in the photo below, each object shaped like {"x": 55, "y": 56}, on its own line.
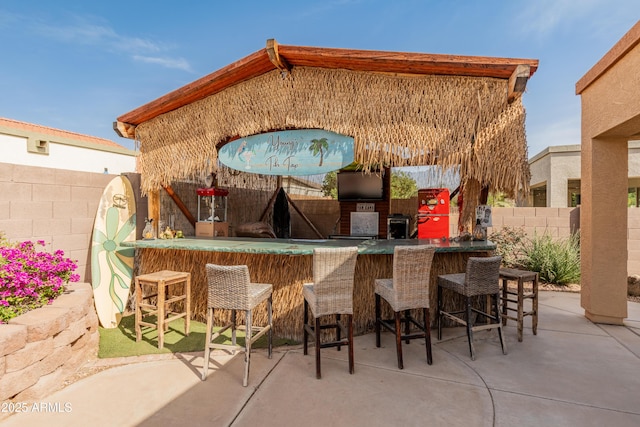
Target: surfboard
{"x": 112, "y": 263}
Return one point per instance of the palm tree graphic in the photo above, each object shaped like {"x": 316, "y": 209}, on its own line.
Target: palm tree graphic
{"x": 319, "y": 146}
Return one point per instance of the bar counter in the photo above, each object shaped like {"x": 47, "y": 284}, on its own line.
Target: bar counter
{"x": 287, "y": 264}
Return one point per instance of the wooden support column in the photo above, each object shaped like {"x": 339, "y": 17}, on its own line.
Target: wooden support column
{"x": 153, "y": 208}
{"x": 603, "y": 236}
{"x": 484, "y": 196}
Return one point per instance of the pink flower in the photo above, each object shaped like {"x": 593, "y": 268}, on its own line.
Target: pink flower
{"x": 29, "y": 279}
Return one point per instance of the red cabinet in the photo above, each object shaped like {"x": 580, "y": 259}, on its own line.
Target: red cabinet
{"x": 433, "y": 213}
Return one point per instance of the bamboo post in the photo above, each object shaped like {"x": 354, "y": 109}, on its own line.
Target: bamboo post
{"x": 153, "y": 208}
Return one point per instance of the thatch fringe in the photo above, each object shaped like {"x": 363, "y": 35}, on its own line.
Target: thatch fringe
{"x": 396, "y": 120}
{"x": 287, "y": 274}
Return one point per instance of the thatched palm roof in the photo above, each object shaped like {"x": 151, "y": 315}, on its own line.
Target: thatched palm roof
{"x": 402, "y": 109}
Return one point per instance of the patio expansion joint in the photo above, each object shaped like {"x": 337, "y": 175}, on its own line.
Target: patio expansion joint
{"x": 466, "y": 363}
{"x": 440, "y": 379}
{"x": 415, "y": 374}
{"x": 565, "y": 401}
{"x": 619, "y": 341}
{"x": 554, "y": 307}
{"x": 257, "y": 387}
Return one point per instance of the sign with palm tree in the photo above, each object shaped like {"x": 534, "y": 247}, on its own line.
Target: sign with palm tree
{"x": 319, "y": 146}
{"x": 291, "y": 152}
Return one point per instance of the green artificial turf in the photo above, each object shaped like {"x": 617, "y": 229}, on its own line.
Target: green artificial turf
{"x": 121, "y": 341}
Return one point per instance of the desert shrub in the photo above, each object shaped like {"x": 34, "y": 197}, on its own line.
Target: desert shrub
{"x": 510, "y": 246}
{"x": 556, "y": 260}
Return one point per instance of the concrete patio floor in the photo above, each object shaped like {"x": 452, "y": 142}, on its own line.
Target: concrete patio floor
{"x": 572, "y": 373}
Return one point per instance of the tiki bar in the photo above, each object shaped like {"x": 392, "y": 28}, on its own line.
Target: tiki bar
{"x": 215, "y": 155}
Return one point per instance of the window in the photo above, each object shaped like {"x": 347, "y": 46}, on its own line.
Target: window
{"x": 539, "y": 196}
{"x": 573, "y": 190}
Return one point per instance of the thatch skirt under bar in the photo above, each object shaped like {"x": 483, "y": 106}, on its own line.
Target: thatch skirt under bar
{"x": 287, "y": 273}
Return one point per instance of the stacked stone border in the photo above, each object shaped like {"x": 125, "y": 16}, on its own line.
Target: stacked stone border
{"x": 42, "y": 348}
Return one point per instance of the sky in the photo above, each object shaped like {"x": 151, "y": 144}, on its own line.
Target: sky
{"x": 77, "y": 65}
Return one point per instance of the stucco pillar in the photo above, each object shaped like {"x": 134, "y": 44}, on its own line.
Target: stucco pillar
{"x": 604, "y": 229}
{"x": 557, "y": 189}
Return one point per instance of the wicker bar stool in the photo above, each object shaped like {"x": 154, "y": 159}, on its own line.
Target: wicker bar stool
{"x": 164, "y": 282}
{"x": 230, "y": 288}
{"x": 330, "y": 293}
{"x": 408, "y": 289}
{"x": 481, "y": 278}
{"x": 519, "y": 276}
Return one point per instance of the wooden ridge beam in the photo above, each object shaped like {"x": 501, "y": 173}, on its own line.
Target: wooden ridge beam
{"x": 275, "y": 58}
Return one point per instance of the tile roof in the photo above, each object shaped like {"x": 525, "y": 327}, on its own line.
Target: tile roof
{"x": 31, "y": 127}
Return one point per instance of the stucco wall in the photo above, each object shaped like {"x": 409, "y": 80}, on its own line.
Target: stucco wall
{"x": 556, "y": 165}
{"x": 65, "y": 156}
{"x": 610, "y": 118}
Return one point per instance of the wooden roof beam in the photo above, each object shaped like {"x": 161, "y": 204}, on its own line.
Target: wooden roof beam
{"x": 518, "y": 82}
{"x": 124, "y": 130}
{"x": 275, "y": 58}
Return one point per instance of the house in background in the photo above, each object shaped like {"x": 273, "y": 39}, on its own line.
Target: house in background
{"x": 302, "y": 188}
{"x": 555, "y": 176}
{"x": 51, "y": 181}
{"x": 29, "y": 144}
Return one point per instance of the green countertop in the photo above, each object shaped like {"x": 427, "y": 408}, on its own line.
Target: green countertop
{"x": 303, "y": 246}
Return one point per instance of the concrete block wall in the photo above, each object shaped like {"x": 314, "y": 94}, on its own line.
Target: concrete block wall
{"x": 553, "y": 221}
{"x": 42, "y": 348}
{"x": 633, "y": 242}
{"x": 54, "y": 205}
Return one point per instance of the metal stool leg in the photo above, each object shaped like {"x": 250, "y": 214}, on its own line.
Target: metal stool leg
{"x": 316, "y": 332}
{"x": 399, "y": 339}
{"x": 378, "y": 311}
{"x": 470, "y": 328}
{"x": 503, "y": 342}
{"x": 247, "y": 349}
{"x": 351, "y": 362}
{"x": 305, "y": 333}
{"x": 427, "y": 334}
{"x": 439, "y": 313}
{"x": 270, "y": 323}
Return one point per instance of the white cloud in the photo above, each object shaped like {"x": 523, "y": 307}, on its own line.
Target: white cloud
{"x": 102, "y": 36}
{"x": 177, "y": 63}
{"x": 542, "y": 17}
{"x": 90, "y": 33}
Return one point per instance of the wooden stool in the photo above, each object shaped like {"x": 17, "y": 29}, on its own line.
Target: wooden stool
{"x": 520, "y": 276}
{"x": 162, "y": 280}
